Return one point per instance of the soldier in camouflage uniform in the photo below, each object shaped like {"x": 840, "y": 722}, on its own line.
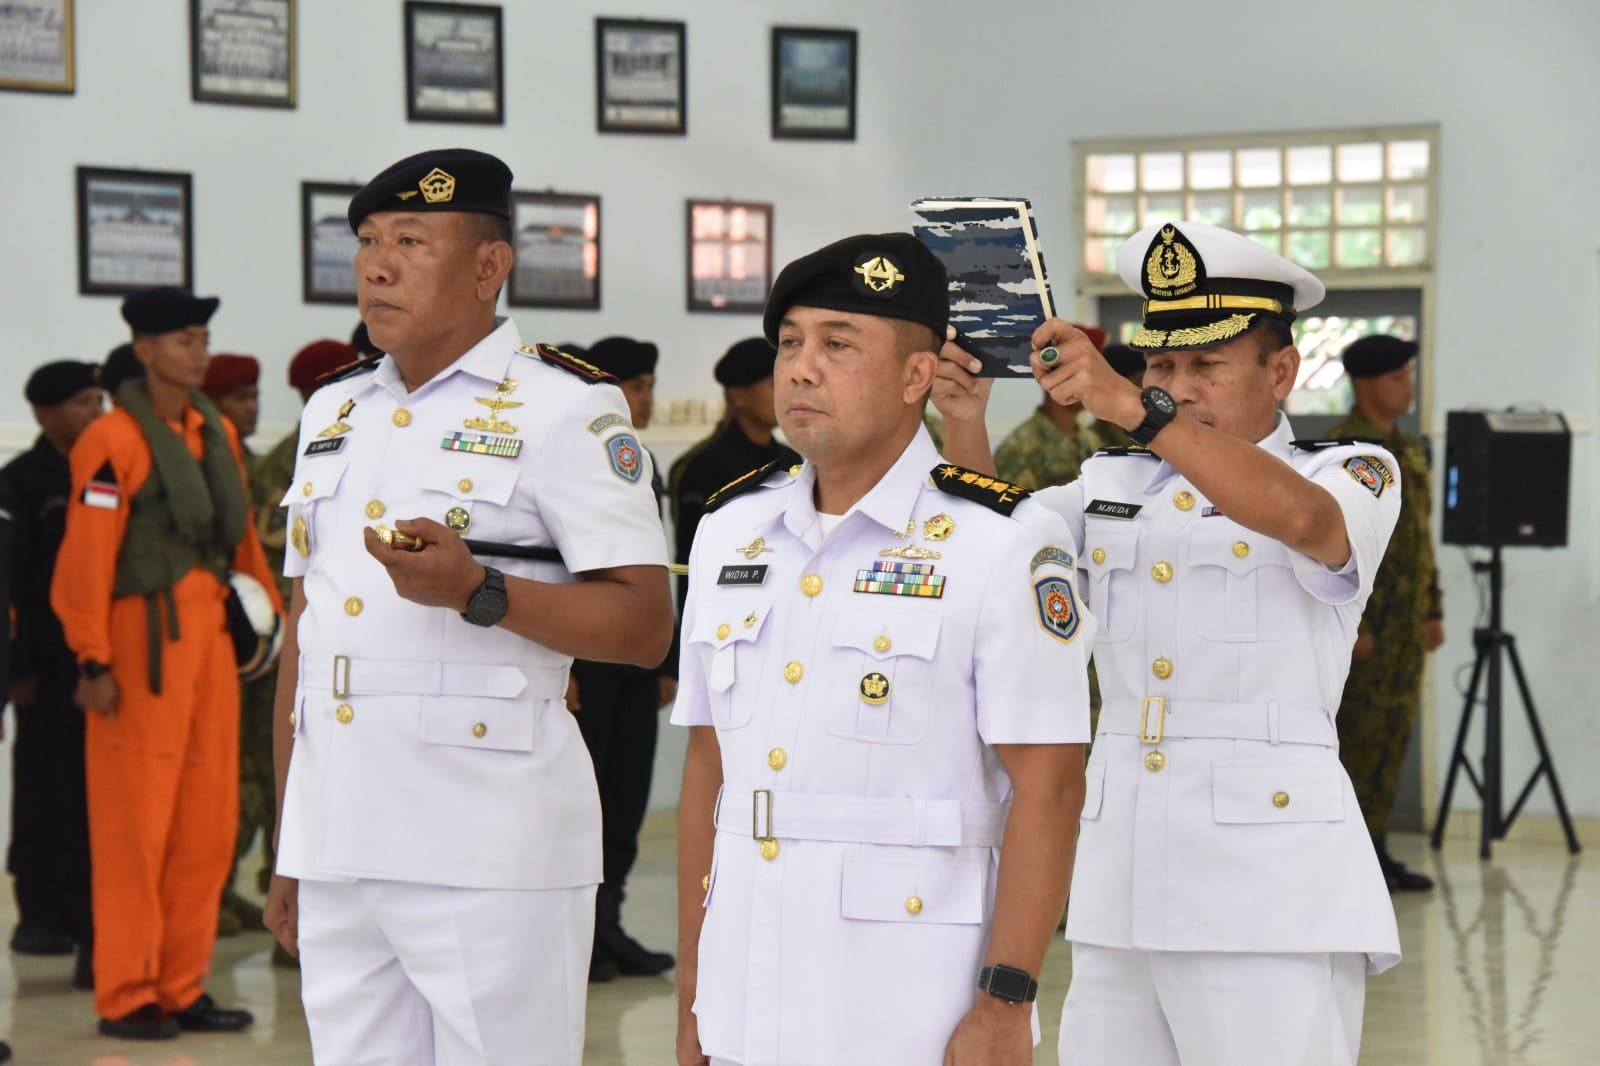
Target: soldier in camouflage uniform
{"x": 1403, "y": 618}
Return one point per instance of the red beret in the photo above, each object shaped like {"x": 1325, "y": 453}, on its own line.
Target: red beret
{"x": 315, "y": 361}
{"x": 1096, "y": 335}
{"x": 226, "y": 373}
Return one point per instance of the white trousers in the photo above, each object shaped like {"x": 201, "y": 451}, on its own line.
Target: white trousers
{"x": 1201, "y": 1008}
{"x": 400, "y": 974}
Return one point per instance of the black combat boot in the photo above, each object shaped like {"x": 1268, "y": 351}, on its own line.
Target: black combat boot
{"x": 630, "y": 957}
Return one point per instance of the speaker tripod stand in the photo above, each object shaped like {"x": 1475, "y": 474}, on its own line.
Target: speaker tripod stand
{"x": 1491, "y": 644}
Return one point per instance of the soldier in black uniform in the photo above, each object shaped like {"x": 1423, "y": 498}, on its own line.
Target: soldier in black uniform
{"x": 49, "y": 856}
{"x": 742, "y": 443}
{"x": 616, "y": 707}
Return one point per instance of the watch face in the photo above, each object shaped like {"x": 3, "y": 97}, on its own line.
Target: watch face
{"x": 1009, "y": 984}
{"x": 488, "y": 606}
{"x": 1160, "y": 400}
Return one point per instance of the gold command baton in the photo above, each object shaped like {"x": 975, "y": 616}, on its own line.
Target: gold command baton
{"x": 396, "y": 539}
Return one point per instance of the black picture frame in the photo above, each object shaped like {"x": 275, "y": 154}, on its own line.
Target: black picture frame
{"x": 808, "y": 100}
{"x": 327, "y": 247}
{"x": 243, "y": 52}
{"x": 720, "y": 237}
{"x": 41, "y": 48}
{"x": 653, "y": 104}
{"x": 430, "y": 96}
{"x": 557, "y": 238}
{"x": 135, "y": 230}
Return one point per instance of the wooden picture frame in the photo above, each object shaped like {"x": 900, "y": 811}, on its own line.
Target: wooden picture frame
{"x": 728, "y": 262}
{"x": 242, "y": 52}
{"x": 641, "y": 76}
{"x": 41, "y": 51}
{"x": 814, "y": 83}
{"x": 557, "y": 237}
{"x": 327, "y": 247}
{"x": 455, "y": 62}
{"x": 135, "y": 230}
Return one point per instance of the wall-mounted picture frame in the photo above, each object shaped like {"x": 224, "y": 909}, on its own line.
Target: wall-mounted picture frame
{"x": 242, "y": 52}
{"x": 641, "y": 79}
{"x": 455, "y": 63}
{"x": 327, "y": 247}
{"x": 558, "y": 250}
{"x": 135, "y": 230}
{"x": 813, "y": 83}
{"x": 36, "y": 46}
{"x": 729, "y": 255}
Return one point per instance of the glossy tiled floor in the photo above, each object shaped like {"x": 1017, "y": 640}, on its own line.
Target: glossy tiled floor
{"x": 1501, "y": 964}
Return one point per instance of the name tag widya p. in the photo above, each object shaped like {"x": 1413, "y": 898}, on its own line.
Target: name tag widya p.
{"x": 743, "y": 575}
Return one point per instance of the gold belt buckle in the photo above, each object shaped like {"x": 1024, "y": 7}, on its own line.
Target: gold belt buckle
{"x": 341, "y": 677}
{"x": 1145, "y": 734}
{"x": 757, "y": 830}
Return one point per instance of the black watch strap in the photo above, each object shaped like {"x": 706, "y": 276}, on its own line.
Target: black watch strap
{"x": 1008, "y": 983}
{"x": 489, "y": 603}
{"x": 1159, "y": 409}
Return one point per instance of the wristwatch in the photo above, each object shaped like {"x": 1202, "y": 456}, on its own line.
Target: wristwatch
{"x": 489, "y": 604}
{"x": 1159, "y": 409}
{"x": 1008, "y": 983}
{"x": 93, "y": 671}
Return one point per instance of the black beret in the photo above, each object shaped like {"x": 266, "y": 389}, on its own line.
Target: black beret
{"x": 1124, "y": 359}
{"x": 56, "y": 383}
{"x": 1377, "y": 354}
{"x": 166, "y": 309}
{"x": 890, "y": 275}
{"x": 445, "y": 179}
{"x": 621, "y": 357}
{"x": 746, "y": 363}
{"x": 120, "y": 365}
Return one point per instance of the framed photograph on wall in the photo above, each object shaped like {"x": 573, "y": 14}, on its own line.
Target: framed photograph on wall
{"x": 813, "y": 83}
{"x": 730, "y": 255}
{"x": 135, "y": 229}
{"x": 327, "y": 247}
{"x": 640, "y": 81}
{"x": 242, "y": 52}
{"x": 558, "y": 250}
{"x": 455, "y": 63}
{"x": 36, "y": 46}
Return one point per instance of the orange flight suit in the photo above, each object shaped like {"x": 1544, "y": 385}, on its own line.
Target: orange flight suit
{"x": 163, "y": 773}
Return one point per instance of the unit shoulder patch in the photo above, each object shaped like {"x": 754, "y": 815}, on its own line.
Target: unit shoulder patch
{"x": 1336, "y": 442}
{"x": 570, "y": 363}
{"x": 1058, "y": 607}
{"x": 738, "y": 486}
{"x": 1370, "y": 472}
{"x": 997, "y": 494}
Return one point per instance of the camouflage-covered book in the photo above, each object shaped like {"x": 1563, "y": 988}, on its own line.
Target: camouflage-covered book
{"x": 999, "y": 293}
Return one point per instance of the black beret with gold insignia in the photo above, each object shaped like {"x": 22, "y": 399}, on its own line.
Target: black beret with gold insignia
{"x": 622, "y": 357}
{"x": 889, "y": 275}
{"x": 1204, "y": 285}
{"x": 1377, "y": 354}
{"x": 746, "y": 362}
{"x": 445, "y": 179}
{"x": 166, "y": 309}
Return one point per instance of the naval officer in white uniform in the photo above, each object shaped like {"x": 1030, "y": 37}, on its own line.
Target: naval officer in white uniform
{"x": 439, "y": 826}
{"x": 884, "y": 673}
{"x": 1227, "y": 903}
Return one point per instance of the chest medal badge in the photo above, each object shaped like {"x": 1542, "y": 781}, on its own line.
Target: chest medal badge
{"x": 901, "y": 579}
{"x": 492, "y": 436}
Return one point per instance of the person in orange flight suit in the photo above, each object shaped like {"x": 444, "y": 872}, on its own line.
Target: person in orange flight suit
{"x": 157, "y": 518}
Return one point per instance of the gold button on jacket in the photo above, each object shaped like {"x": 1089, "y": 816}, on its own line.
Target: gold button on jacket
{"x": 1154, "y": 762}
{"x": 465, "y": 484}
{"x": 1098, "y": 555}
{"x": 811, "y": 584}
{"x": 769, "y": 849}
{"x": 723, "y": 630}
{"x": 882, "y": 642}
{"x": 353, "y": 605}
{"x": 777, "y": 758}
{"x": 793, "y": 672}
{"x": 1241, "y": 549}
{"x": 480, "y": 730}
{"x": 305, "y": 490}
{"x": 1183, "y": 499}
{"x": 401, "y": 418}
{"x": 375, "y": 508}
{"x": 1162, "y": 572}
{"x": 705, "y": 883}
{"x": 1162, "y": 668}
{"x": 1280, "y": 800}
{"x": 344, "y": 713}
{"x": 914, "y": 905}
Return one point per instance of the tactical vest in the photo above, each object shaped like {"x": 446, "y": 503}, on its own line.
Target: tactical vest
{"x": 188, "y": 513}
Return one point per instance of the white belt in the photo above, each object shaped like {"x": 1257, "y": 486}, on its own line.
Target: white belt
{"x": 345, "y": 675}
{"x": 1157, "y": 718}
{"x": 910, "y": 821}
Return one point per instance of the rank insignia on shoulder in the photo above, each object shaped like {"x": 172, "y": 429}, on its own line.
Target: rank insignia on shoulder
{"x": 482, "y": 444}
{"x": 605, "y": 422}
{"x": 1112, "y": 509}
{"x": 325, "y": 447}
{"x": 623, "y": 452}
{"x": 1125, "y": 449}
{"x": 738, "y": 487}
{"x": 1058, "y": 607}
{"x": 1370, "y": 472}
{"x": 350, "y": 370}
{"x": 570, "y": 363}
{"x": 994, "y": 493}
{"x": 1335, "y": 442}
{"x": 1050, "y": 554}
{"x": 901, "y": 579}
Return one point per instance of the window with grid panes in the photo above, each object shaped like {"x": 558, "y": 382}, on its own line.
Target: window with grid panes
{"x": 1334, "y": 202}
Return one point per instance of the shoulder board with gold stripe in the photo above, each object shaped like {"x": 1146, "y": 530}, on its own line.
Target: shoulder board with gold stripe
{"x": 738, "y": 487}
{"x": 1337, "y": 442}
{"x": 570, "y": 363}
{"x": 997, "y": 494}
{"x": 1125, "y": 449}
{"x": 349, "y": 370}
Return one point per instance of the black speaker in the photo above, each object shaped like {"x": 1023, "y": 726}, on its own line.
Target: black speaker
{"x": 1506, "y": 478}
